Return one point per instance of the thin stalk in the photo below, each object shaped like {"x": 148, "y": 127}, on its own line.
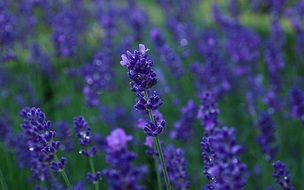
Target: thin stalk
{"x": 159, "y": 183}
{"x": 159, "y": 150}
{"x": 96, "y": 184}
{"x": 2, "y": 181}
{"x": 162, "y": 160}
{"x": 64, "y": 176}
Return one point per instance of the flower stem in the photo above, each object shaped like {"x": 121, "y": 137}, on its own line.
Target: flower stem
{"x": 159, "y": 183}
{"x": 162, "y": 160}
{"x": 159, "y": 149}
{"x": 2, "y": 181}
{"x": 93, "y": 171}
{"x": 64, "y": 175}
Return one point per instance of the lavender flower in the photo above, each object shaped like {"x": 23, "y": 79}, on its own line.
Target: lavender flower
{"x": 67, "y": 25}
{"x": 83, "y": 132}
{"x": 273, "y": 53}
{"x": 122, "y": 174}
{"x": 211, "y": 76}
{"x": 97, "y": 76}
{"x": 246, "y": 51}
{"x": 177, "y": 168}
{"x": 183, "y": 128}
{"x": 6, "y": 26}
{"x": 266, "y": 139}
{"x": 41, "y": 143}
{"x": 282, "y": 176}
{"x": 167, "y": 55}
{"x": 208, "y": 112}
{"x": 65, "y": 135}
{"x": 223, "y": 168}
{"x": 297, "y": 104}
{"x": 142, "y": 79}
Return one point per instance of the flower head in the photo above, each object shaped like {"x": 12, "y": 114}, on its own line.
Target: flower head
{"x": 282, "y": 176}
{"x": 118, "y": 139}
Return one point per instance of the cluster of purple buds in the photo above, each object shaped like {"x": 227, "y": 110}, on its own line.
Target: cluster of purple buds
{"x": 67, "y": 26}
{"x": 282, "y": 176}
{"x": 273, "y": 53}
{"x": 223, "y": 168}
{"x": 244, "y": 48}
{"x": 97, "y": 76}
{"x": 41, "y": 143}
{"x": 122, "y": 174}
{"x": 143, "y": 78}
{"x": 183, "y": 128}
{"x": 138, "y": 19}
{"x": 64, "y": 134}
{"x": 176, "y": 166}
{"x": 94, "y": 177}
{"x": 213, "y": 74}
{"x": 83, "y": 132}
{"x": 266, "y": 140}
{"x": 167, "y": 55}
{"x": 208, "y": 112}
{"x": 6, "y": 26}
{"x": 297, "y": 104}
{"x": 150, "y": 148}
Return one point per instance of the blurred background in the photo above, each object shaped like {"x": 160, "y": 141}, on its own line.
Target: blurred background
{"x": 63, "y": 56}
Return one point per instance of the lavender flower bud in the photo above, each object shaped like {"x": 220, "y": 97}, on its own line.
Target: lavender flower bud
{"x": 282, "y": 176}
{"x": 208, "y": 111}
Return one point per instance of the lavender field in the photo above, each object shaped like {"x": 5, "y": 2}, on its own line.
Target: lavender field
{"x": 151, "y": 94}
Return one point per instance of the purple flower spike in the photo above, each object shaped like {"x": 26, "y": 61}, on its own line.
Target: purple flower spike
{"x": 266, "y": 139}
{"x": 183, "y": 128}
{"x": 177, "y": 168}
{"x": 139, "y": 69}
{"x": 41, "y": 143}
{"x": 167, "y": 55}
{"x": 121, "y": 172}
{"x": 118, "y": 139}
{"x": 297, "y": 104}
{"x": 143, "y": 78}
{"x": 82, "y": 130}
{"x": 223, "y": 168}
{"x": 282, "y": 176}
{"x": 208, "y": 111}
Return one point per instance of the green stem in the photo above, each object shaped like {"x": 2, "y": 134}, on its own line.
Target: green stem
{"x": 162, "y": 160}
{"x": 159, "y": 149}
{"x": 64, "y": 175}
{"x": 93, "y": 171}
{"x": 159, "y": 183}
{"x": 2, "y": 181}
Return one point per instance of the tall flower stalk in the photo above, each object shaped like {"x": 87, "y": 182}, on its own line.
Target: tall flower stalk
{"x": 42, "y": 145}
{"x": 143, "y": 78}
{"x": 83, "y": 132}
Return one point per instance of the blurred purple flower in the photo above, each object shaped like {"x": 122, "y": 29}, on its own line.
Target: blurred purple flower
{"x": 208, "y": 112}
{"x": 122, "y": 174}
{"x": 266, "y": 139}
{"x": 222, "y": 166}
{"x": 167, "y": 55}
{"x": 183, "y": 127}
{"x": 282, "y": 176}
{"x": 297, "y": 104}
{"x": 176, "y": 166}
